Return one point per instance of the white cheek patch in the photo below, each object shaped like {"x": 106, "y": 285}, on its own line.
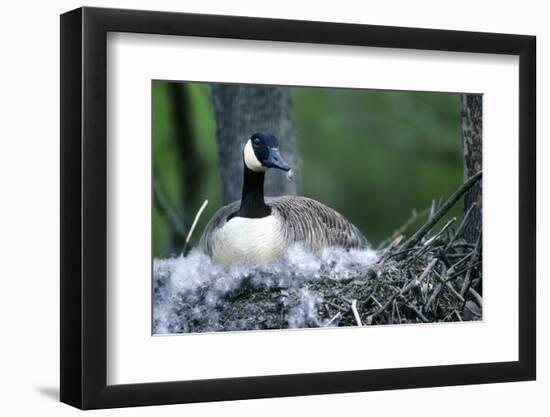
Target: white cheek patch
{"x": 250, "y": 159}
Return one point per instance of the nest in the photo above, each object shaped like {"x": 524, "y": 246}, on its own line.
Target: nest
{"x": 436, "y": 280}
{"x": 434, "y": 276}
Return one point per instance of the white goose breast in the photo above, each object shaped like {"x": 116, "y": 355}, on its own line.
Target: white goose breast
{"x": 248, "y": 240}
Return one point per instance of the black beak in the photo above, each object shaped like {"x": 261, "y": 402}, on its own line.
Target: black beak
{"x": 275, "y": 160}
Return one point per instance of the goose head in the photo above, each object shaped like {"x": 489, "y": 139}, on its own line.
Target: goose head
{"x": 261, "y": 152}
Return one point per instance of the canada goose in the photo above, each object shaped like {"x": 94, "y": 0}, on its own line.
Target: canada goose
{"x": 257, "y": 230}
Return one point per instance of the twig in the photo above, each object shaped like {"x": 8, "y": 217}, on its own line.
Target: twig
{"x": 454, "y": 255}
{"x": 431, "y": 240}
{"x": 449, "y": 286}
{"x": 193, "y": 225}
{"x": 472, "y": 264}
{"x": 433, "y": 208}
{"x": 460, "y": 227}
{"x": 398, "y": 313}
{"x": 434, "y": 296}
{"x": 466, "y": 269}
{"x": 356, "y": 313}
{"x": 455, "y": 265}
{"x": 464, "y": 245}
{"x": 476, "y": 296}
{"x": 340, "y": 308}
{"x": 376, "y": 301}
{"x": 472, "y": 310}
{"x": 421, "y": 316}
{"x": 336, "y": 316}
{"x": 413, "y": 240}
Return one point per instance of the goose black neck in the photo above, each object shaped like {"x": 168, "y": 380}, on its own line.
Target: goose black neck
{"x": 252, "y": 201}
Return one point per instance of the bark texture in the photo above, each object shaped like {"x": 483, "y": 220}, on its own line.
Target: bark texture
{"x": 471, "y": 112}
{"x": 240, "y": 112}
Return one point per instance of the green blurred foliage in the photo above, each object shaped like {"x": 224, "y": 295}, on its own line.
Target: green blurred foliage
{"x": 373, "y": 155}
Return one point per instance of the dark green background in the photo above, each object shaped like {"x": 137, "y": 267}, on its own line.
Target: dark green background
{"x": 372, "y": 155}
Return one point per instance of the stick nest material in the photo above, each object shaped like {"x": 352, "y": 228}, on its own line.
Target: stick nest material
{"x": 434, "y": 276}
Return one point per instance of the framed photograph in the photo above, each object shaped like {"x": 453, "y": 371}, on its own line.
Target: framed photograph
{"x": 257, "y": 208}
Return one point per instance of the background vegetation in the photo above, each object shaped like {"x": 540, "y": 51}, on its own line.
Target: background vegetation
{"x": 375, "y": 156}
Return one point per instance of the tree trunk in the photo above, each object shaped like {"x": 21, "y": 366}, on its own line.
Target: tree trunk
{"x": 244, "y": 110}
{"x": 471, "y": 113}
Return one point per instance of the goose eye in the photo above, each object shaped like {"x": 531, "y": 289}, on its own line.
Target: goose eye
{"x": 256, "y": 141}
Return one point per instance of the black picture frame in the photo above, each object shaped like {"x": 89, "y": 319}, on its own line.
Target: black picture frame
{"x": 84, "y": 207}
